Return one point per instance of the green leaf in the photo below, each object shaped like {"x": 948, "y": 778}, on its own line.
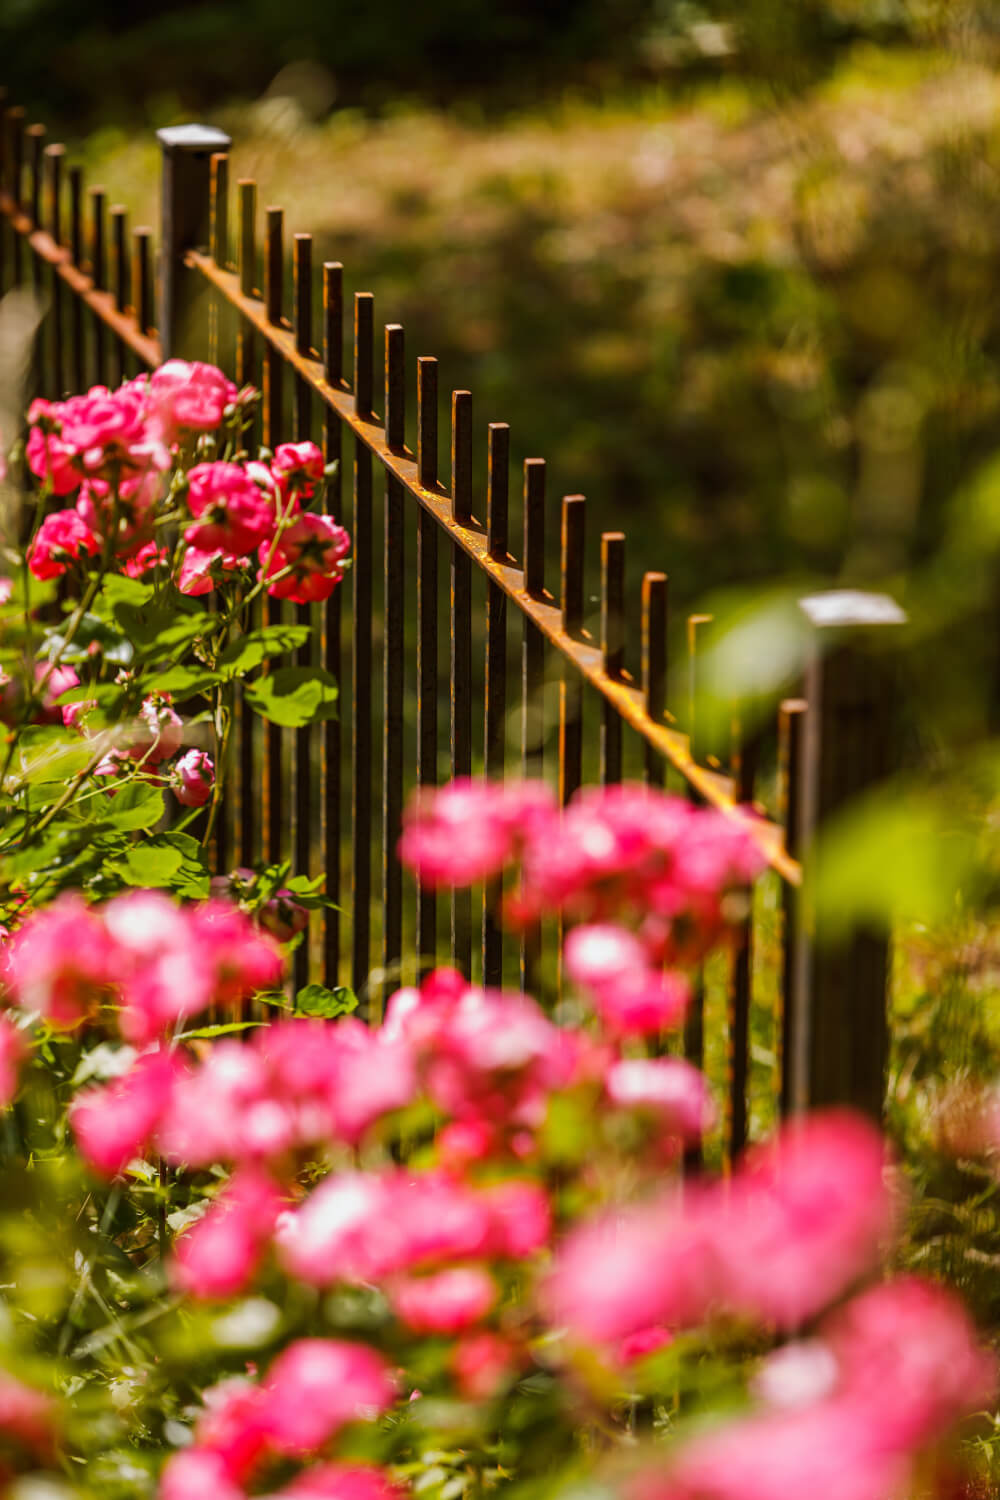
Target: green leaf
{"x": 181, "y": 682}
{"x": 137, "y": 805}
{"x": 205, "y": 1033}
{"x": 294, "y": 696}
{"x": 250, "y": 650}
{"x": 152, "y": 863}
{"x": 317, "y": 1000}
{"x": 193, "y": 878}
{"x": 52, "y": 756}
{"x": 188, "y": 628}
{"x": 171, "y": 861}
{"x": 117, "y": 589}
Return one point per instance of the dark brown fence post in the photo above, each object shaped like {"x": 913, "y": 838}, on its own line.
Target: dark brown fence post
{"x": 184, "y": 225}
{"x": 839, "y": 1027}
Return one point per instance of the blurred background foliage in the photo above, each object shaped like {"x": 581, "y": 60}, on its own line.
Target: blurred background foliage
{"x": 629, "y": 226}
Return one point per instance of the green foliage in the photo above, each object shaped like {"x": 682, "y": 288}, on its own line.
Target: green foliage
{"x": 294, "y": 696}
{"x": 328, "y": 1004}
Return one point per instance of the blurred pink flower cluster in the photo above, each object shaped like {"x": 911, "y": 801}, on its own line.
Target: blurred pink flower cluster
{"x": 29, "y": 1425}
{"x": 313, "y": 1390}
{"x": 123, "y": 452}
{"x": 619, "y": 854}
{"x": 140, "y": 958}
{"x": 846, "y": 1414}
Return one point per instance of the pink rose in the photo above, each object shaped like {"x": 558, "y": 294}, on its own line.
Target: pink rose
{"x": 57, "y": 681}
{"x": 314, "y": 547}
{"x": 632, "y": 997}
{"x": 11, "y": 1052}
{"x": 339, "y": 1481}
{"x": 145, "y": 559}
{"x": 197, "y": 1474}
{"x": 230, "y": 511}
{"x": 200, "y": 571}
{"x": 185, "y": 399}
{"x": 668, "y": 1088}
{"x": 482, "y": 1362}
{"x": 106, "y": 434}
{"x": 220, "y": 1253}
{"x": 298, "y": 467}
{"x": 62, "y": 962}
{"x": 50, "y": 460}
{"x": 62, "y": 539}
{"x": 908, "y": 1352}
{"x": 447, "y": 1302}
{"x": 316, "y": 1386}
{"x": 28, "y": 1416}
{"x": 115, "y": 1123}
{"x": 192, "y": 778}
{"x": 468, "y": 830}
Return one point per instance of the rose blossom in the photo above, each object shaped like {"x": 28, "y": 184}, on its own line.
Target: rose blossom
{"x": 197, "y": 1474}
{"x": 192, "y": 778}
{"x": 62, "y": 539}
{"x": 106, "y": 433}
{"x": 158, "y": 732}
{"x": 187, "y": 398}
{"x": 144, "y": 559}
{"x": 115, "y": 1123}
{"x": 445, "y": 1302}
{"x": 220, "y": 1252}
{"x": 200, "y": 571}
{"x": 61, "y": 961}
{"x": 50, "y": 459}
{"x": 28, "y": 1416}
{"x": 668, "y": 1088}
{"x": 317, "y": 1386}
{"x": 482, "y": 1362}
{"x": 298, "y": 467}
{"x": 468, "y": 830}
{"x": 314, "y": 547}
{"x": 339, "y": 1481}
{"x": 11, "y": 1053}
{"x": 230, "y": 511}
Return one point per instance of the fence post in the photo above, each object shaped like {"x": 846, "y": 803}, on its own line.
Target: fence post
{"x": 839, "y": 988}
{"x": 184, "y": 216}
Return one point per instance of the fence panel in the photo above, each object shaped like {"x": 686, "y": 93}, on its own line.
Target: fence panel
{"x": 290, "y": 787}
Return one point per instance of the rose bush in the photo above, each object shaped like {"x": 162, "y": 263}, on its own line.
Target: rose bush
{"x": 453, "y": 1253}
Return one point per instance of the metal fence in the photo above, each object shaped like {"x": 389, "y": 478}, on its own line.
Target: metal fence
{"x": 443, "y": 633}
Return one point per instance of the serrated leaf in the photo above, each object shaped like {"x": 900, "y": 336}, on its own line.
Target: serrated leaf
{"x": 250, "y": 650}
{"x": 317, "y": 1000}
{"x": 294, "y": 696}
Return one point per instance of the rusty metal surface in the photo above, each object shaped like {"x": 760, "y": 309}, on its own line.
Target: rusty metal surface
{"x": 102, "y": 304}
{"x": 584, "y": 652}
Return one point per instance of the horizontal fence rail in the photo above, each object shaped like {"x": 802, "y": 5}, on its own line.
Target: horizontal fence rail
{"x": 422, "y": 643}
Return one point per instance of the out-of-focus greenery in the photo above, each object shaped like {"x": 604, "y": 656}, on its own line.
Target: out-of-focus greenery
{"x": 760, "y": 332}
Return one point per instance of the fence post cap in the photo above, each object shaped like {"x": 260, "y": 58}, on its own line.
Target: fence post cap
{"x": 844, "y": 609}
{"x": 193, "y": 138}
